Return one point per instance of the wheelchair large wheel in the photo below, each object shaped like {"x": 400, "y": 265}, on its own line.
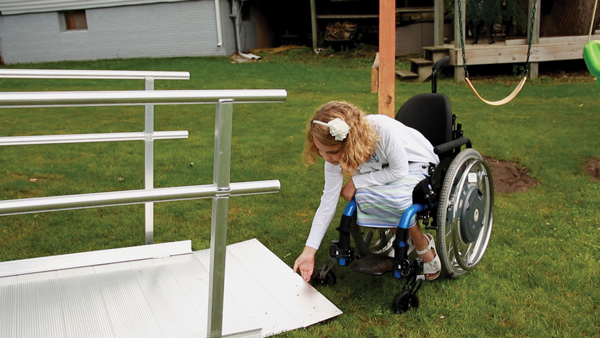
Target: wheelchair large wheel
{"x": 465, "y": 214}
{"x": 371, "y": 241}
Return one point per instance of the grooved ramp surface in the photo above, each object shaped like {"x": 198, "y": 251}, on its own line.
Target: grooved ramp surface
{"x": 160, "y": 297}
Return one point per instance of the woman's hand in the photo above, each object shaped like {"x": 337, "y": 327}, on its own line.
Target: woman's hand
{"x": 306, "y": 263}
{"x": 348, "y": 190}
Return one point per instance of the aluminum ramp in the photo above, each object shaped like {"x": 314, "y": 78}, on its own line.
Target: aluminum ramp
{"x": 157, "y": 290}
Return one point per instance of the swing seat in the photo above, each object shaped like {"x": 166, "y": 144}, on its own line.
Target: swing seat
{"x": 591, "y": 55}
{"x": 455, "y": 201}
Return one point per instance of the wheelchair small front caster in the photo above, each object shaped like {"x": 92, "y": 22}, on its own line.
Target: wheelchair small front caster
{"x": 321, "y": 277}
{"x": 404, "y": 301}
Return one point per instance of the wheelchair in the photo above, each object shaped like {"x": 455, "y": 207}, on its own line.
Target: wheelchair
{"x": 455, "y": 200}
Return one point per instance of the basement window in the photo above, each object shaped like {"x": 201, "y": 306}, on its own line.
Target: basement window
{"x": 75, "y": 20}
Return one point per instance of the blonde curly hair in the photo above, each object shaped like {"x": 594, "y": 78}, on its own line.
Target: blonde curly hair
{"x": 358, "y": 146}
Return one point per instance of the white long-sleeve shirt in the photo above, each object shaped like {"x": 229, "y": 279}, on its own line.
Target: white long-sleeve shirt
{"x": 397, "y": 145}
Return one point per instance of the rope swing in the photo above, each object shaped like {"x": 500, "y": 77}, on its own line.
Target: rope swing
{"x": 525, "y": 72}
{"x": 504, "y": 100}
{"x": 591, "y": 51}
{"x": 592, "y": 23}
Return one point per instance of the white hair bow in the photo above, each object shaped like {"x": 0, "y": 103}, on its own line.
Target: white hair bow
{"x": 338, "y": 128}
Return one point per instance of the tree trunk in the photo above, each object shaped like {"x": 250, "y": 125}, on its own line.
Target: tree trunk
{"x": 568, "y": 17}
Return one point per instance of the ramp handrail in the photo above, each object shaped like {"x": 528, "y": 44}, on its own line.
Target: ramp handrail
{"x": 125, "y": 197}
{"x": 149, "y": 135}
{"x": 220, "y": 190}
{"x": 138, "y": 97}
{"x": 91, "y": 74}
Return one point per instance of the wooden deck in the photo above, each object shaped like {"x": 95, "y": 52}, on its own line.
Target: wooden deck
{"x": 502, "y": 52}
{"x": 515, "y": 51}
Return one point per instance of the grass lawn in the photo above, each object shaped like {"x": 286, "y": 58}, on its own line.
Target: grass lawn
{"x": 539, "y": 277}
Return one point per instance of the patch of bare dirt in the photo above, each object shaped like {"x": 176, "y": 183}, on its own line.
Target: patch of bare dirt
{"x": 237, "y": 58}
{"x": 593, "y": 168}
{"x": 510, "y": 177}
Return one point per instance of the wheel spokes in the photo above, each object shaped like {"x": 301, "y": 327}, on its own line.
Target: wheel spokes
{"x": 378, "y": 240}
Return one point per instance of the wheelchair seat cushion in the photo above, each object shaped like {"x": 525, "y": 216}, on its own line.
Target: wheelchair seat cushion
{"x": 383, "y": 205}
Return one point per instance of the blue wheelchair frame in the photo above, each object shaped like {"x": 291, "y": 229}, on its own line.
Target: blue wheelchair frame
{"x": 342, "y": 251}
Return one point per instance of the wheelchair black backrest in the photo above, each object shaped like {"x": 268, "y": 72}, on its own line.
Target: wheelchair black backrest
{"x": 430, "y": 114}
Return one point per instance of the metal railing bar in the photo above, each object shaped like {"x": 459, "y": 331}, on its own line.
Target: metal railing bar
{"x": 149, "y": 164}
{"x": 91, "y": 74}
{"x": 106, "y": 199}
{"x": 219, "y": 219}
{"x": 84, "y": 138}
{"x": 137, "y": 97}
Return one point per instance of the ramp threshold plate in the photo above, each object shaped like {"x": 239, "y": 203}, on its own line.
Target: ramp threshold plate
{"x": 156, "y": 297}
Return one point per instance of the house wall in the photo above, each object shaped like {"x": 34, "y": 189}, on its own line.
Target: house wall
{"x": 156, "y": 30}
{"x": 248, "y": 38}
{"x": 412, "y": 38}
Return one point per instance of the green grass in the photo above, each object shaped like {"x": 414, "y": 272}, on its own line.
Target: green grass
{"x": 540, "y": 276}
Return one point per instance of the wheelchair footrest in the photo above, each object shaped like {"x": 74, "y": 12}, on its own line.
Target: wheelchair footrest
{"x": 376, "y": 265}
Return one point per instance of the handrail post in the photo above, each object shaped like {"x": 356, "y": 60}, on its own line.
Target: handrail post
{"x": 149, "y": 162}
{"x": 220, "y": 206}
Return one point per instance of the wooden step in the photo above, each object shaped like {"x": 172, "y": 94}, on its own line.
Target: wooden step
{"x": 421, "y": 62}
{"x": 438, "y": 48}
{"x": 435, "y": 53}
{"x": 406, "y": 74}
{"x": 422, "y": 67}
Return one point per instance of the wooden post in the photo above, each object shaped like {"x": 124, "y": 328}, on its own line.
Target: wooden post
{"x": 534, "y": 66}
{"x": 438, "y": 23}
{"x": 459, "y": 71}
{"x": 313, "y": 24}
{"x": 387, "y": 57}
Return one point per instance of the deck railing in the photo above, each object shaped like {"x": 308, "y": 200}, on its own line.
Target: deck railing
{"x": 219, "y": 191}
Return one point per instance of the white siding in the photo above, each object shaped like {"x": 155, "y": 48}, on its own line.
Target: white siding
{"x": 228, "y": 29}
{"x": 155, "y": 30}
{"x": 10, "y": 7}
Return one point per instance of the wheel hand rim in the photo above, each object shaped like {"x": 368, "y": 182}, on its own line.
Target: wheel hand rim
{"x": 468, "y": 255}
{"x": 451, "y": 249}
